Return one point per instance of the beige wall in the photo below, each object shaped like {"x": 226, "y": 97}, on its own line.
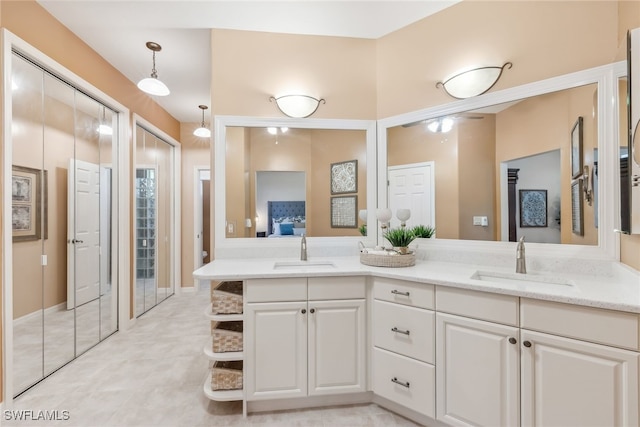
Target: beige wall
{"x": 249, "y": 67}
{"x": 542, "y": 38}
{"x": 195, "y": 152}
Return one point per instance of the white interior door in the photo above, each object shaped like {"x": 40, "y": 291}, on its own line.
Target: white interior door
{"x": 411, "y": 186}
{"x": 83, "y": 225}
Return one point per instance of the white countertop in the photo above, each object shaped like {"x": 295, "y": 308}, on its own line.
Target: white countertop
{"x": 619, "y": 290}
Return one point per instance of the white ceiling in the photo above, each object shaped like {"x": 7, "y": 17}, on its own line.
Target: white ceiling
{"x": 119, "y": 29}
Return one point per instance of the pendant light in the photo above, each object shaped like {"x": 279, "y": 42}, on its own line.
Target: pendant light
{"x": 152, "y": 85}
{"x": 202, "y": 131}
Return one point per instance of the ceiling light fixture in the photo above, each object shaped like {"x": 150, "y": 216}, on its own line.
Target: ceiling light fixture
{"x": 473, "y": 82}
{"x": 202, "y": 131}
{"x": 297, "y": 106}
{"x": 441, "y": 125}
{"x": 104, "y": 128}
{"x": 152, "y": 85}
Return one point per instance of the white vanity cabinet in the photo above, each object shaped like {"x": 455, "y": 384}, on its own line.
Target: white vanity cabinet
{"x": 304, "y": 337}
{"x": 586, "y": 376}
{"x": 404, "y": 345}
{"x": 477, "y": 358}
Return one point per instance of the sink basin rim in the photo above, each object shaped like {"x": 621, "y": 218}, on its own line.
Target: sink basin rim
{"x": 278, "y": 265}
{"x": 503, "y": 277}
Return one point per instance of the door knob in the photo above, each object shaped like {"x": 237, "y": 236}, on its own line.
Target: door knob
{"x": 527, "y": 344}
{"x": 74, "y": 241}
{"x": 512, "y": 340}
{"x": 313, "y": 310}
{"x": 303, "y": 311}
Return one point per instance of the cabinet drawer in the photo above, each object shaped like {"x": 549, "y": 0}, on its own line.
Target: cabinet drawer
{"x": 277, "y": 290}
{"x": 597, "y": 325}
{"x": 402, "y": 292}
{"x": 418, "y": 391}
{"x": 478, "y": 305}
{"x": 405, "y": 330}
{"x": 328, "y": 288}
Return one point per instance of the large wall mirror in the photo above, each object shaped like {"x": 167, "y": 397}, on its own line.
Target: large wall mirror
{"x": 534, "y": 161}
{"x": 287, "y": 177}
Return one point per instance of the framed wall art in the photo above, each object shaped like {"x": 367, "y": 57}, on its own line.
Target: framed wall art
{"x": 576, "y": 149}
{"x": 344, "y": 212}
{"x": 533, "y": 208}
{"x": 576, "y": 208}
{"x": 28, "y": 205}
{"x": 344, "y": 177}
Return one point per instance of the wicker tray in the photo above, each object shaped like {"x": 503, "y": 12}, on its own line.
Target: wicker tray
{"x": 395, "y": 260}
{"x": 227, "y": 336}
{"x": 226, "y": 375}
{"x": 226, "y": 298}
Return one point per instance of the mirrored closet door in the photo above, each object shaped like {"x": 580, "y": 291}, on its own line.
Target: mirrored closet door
{"x": 154, "y": 199}
{"x": 63, "y": 145}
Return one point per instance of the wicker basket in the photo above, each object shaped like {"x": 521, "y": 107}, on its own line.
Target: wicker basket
{"x": 226, "y": 336}
{"x": 393, "y": 260}
{"x": 226, "y": 375}
{"x": 226, "y": 298}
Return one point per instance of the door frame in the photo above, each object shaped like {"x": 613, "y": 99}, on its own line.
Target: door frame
{"x": 175, "y": 233}
{"x": 120, "y": 233}
{"x": 198, "y": 221}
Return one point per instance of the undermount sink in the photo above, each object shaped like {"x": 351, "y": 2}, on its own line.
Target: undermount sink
{"x": 303, "y": 265}
{"x": 529, "y": 278}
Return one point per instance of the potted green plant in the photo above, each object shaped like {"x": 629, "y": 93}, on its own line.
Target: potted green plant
{"x": 363, "y": 229}
{"x": 423, "y": 231}
{"x": 400, "y": 238}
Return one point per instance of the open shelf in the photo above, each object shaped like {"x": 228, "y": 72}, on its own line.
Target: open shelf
{"x": 222, "y": 317}
{"x": 221, "y": 395}
{"x": 226, "y": 356}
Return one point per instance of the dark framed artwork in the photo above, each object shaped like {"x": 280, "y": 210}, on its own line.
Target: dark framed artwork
{"x": 344, "y": 212}
{"x": 344, "y": 177}
{"x": 576, "y": 149}
{"x": 533, "y": 208}
{"x": 28, "y": 186}
{"x": 577, "y": 226}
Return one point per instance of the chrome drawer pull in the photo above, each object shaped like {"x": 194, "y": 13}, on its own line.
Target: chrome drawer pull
{"x": 397, "y": 381}
{"x": 400, "y": 331}
{"x": 397, "y": 292}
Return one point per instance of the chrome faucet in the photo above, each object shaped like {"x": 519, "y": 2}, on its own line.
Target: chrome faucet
{"x": 521, "y": 262}
{"x": 303, "y": 248}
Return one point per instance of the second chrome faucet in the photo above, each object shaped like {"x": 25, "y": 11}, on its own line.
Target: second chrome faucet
{"x": 303, "y": 248}
{"x": 521, "y": 261}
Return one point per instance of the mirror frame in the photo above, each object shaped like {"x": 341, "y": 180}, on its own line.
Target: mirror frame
{"x": 236, "y": 247}
{"x": 606, "y": 77}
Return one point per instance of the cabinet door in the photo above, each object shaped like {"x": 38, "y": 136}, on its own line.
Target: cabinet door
{"x": 336, "y": 347}
{"x": 275, "y": 343}
{"x": 477, "y": 372}
{"x": 567, "y": 383}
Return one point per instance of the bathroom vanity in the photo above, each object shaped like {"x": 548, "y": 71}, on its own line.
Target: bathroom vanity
{"x": 442, "y": 343}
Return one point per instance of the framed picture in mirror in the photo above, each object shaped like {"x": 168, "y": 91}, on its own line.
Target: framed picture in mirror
{"x": 344, "y": 177}
{"x": 27, "y": 203}
{"x": 533, "y": 208}
{"x": 576, "y": 149}
{"x": 344, "y": 212}
{"x": 576, "y": 208}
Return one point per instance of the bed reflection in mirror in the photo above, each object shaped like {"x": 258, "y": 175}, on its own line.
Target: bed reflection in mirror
{"x": 278, "y": 180}
{"x": 482, "y": 159}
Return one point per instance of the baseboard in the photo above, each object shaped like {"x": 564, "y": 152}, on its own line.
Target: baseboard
{"x": 414, "y": 416}
{"x": 309, "y": 402}
{"x": 188, "y": 289}
{"x": 58, "y": 307}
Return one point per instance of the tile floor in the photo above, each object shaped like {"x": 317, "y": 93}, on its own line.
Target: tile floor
{"x": 152, "y": 375}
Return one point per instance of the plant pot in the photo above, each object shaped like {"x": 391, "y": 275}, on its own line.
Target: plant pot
{"x": 402, "y": 250}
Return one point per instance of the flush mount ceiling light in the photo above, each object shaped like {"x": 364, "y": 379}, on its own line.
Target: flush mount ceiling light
{"x": 202, "y": 131}
{"x": 298, "y": 106}
{"x": 152, "y": 85}
{"x": 473, "y": 82}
